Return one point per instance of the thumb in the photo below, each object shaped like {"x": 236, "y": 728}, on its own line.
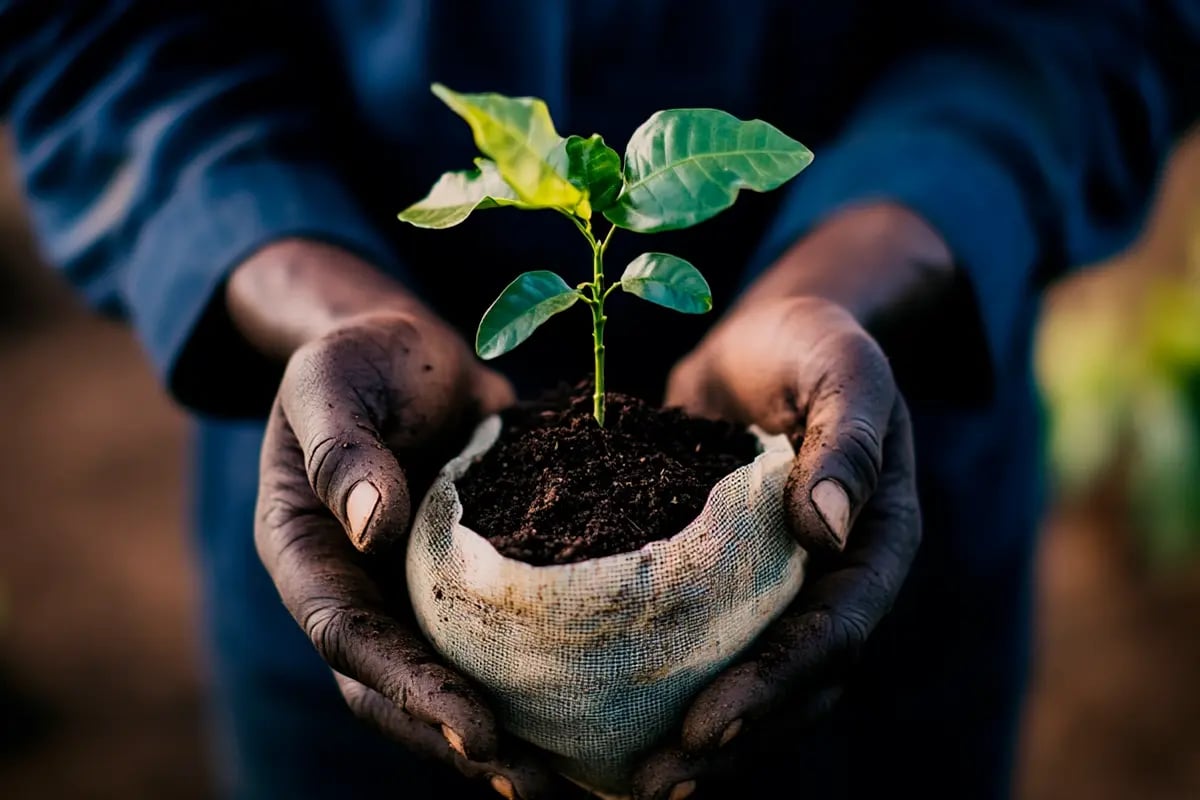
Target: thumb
{"x": 837, "y": 467}
{"x": 349, "y": 467}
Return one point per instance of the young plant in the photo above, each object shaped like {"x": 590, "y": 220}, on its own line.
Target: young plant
{"x": 682, "y": 166}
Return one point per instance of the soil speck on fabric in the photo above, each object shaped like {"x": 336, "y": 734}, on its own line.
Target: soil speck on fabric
{"x": 556, "y": 488}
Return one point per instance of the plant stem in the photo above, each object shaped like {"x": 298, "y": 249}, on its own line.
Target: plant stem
{"x": 598, "y": 320}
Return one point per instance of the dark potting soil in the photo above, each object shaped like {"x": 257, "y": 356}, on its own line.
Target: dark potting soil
{"x": 557, "y": 488}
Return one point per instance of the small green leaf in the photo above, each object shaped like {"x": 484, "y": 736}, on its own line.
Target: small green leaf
{"x": 518, "y": 134}
{"x": 669, "y": 281}
{"x": 686, "y": 165}
{"x": 526, "y": 303}
{"x": 457, "y": 194}
{"x": 594, "y": 167}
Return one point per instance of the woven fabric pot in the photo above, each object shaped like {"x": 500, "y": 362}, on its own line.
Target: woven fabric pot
{"x": 596, "y": 661}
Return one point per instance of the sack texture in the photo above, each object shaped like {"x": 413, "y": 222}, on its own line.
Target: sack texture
{"x": 596, "y": 661}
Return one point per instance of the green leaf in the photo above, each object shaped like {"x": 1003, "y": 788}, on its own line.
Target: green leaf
{"x": 669, "y": 281}
{"x": 526, "y": 303}
{"x": 518, "y": 134}
{"x": 684, "y": 166}
{"x": 457, "y": 194}
{"x": 594, "y": 167}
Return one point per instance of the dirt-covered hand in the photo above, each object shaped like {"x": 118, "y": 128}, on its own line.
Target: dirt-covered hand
{"x": 376, "y": 394}
{"x": 804, "y": 367}
{"x": 381, "y": 390}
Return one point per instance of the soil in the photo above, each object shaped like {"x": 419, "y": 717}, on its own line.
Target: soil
{"x": 557, "y": 488}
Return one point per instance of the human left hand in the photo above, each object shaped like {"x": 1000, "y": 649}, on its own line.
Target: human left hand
{"x": 801, "y": 366}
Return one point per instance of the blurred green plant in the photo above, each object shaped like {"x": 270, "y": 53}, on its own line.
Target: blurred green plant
{"x": 1122, "y": 388}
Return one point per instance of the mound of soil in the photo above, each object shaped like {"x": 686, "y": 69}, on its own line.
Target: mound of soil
{"x": 557, "y": 488}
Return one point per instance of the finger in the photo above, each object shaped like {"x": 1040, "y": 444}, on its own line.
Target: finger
{"x": 517, "y": 775}
{"x": 820, "y": 636}
{"x": 846, "y": 418}
{"x": 811, "y": 370}
{"x": 323, "y": 585}
{"x": 335, "y": 398}
{"x": 669, "y": 774}
{"x": 679, "y": 771}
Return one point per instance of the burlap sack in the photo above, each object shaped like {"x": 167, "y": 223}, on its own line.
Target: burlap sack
{"x": 596, "y": 661}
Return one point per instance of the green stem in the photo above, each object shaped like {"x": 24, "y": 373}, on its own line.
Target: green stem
{"x": 607, "y": 236}
{"x": 598, "y": 320}
{"x": 585, "y": 227}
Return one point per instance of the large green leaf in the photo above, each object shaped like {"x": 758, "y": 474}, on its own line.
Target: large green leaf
{"x": 669, "y": 281}
{"x": 526, "y": 303}
{"x": 518, "y": 134}
{"x": 683, "y": 166}
{"x": 457, "y": 194}
{"x": 595, "y": 167}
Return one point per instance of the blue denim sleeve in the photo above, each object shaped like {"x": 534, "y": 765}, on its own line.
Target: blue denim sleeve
{"x": 1029, "y": 135}
{"x": 160, "y": 144}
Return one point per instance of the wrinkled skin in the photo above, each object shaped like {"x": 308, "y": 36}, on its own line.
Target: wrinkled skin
{"x": 803, "y": 367}
{"x": 794, "y": 357}
{"x": 378, "y": 391}
{"x": 356, "y": 398}
{"x": 367, "y": 401}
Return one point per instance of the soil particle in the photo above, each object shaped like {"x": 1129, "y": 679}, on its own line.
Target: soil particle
{"x": 557, "y": 488}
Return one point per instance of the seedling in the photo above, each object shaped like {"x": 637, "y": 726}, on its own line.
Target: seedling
{"x": 682, "y": 166}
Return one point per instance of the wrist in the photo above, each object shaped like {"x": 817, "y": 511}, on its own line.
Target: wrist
{"x": 896, "y": 276}
{"x": 875, "y": 259}
{"x": 295, "y": 290}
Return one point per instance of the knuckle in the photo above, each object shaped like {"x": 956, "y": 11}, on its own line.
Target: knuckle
{"x": 861, "y": 432}
{"x": 335, "y": 461}
{"x": 325, "y": 625}
{"x": 859, "y": 452}
{"x": 416, "y": 683}
{"x": 276, "y": 511}
{"x": 412, "y": 678}
{"x": 344, "y": 368}
{"x": 306, "y": 367}
{"x": 850, "y": 629}
{"x": 356, "y": 697}
{"x": 318, "y": 463}
{"x": 289, "y": 540}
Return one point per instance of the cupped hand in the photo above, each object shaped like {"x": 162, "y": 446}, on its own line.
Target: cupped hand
{"x": 804, "y": 367}
{"x": 368, "y": 400}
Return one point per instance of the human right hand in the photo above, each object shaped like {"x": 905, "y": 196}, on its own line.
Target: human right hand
{"x": 380, "y": 386}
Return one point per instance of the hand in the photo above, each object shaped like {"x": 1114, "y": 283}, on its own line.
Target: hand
{"x": 372, "y": 391}
{"x": 804, "y": 367}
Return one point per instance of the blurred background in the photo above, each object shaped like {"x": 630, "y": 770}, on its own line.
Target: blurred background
{"x": 100, "y": 679}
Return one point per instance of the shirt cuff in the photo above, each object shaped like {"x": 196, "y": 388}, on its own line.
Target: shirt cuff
{"x": 958, "y": 188}
{"x": 186, "y": 251}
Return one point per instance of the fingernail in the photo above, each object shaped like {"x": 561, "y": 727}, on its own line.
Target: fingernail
{"x": 456, "y": 742}
{"x": 834, "y": 506}
{"x": 682, "y": 790}
{"x": 730, "y": 732}
{"x": 504, "y": 787}
{"x": 360, "y": 506}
